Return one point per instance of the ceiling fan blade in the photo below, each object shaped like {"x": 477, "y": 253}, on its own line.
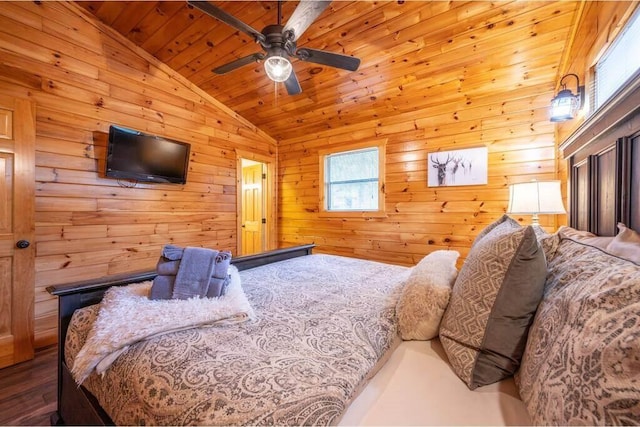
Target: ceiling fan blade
{"x": 292, "y": 84}
{"x": 306, "y": 12}
{"x": 331, "y": 59}
{"x": 224, "y": 69}
{"x": 223, "y": 16}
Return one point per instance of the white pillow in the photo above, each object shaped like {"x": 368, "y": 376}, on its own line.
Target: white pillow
{"x": 425, "y": 295}
{"x": 626, "y": 244}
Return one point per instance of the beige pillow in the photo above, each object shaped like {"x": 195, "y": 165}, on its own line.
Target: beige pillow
{"x": 626, "y": 244}
{"x": 493, "y": 301}
{"x": 581, "y": 364}
{"x": 425, "y": 295}
{"x": 585, "y": 237}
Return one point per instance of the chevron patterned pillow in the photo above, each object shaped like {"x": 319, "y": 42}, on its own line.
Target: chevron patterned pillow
{"x": 493, "y": 301}
{"x": 504, "y": 219}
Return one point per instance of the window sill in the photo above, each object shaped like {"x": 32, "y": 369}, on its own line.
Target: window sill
{"x": 352, "y": 214}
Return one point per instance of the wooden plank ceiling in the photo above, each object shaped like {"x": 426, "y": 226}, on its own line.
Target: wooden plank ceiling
{"x": 415, "y": 55}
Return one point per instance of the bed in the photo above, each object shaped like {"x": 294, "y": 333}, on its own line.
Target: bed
{"x": 410, "y": 383}
{"x": 323, "y": 326}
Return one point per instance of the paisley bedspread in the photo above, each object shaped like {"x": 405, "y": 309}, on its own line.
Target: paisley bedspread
{"x": 323, "y": 324}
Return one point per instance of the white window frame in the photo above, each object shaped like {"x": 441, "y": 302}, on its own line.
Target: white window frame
{"x": 619, "y": 46}
{"x": 324, "y": 153}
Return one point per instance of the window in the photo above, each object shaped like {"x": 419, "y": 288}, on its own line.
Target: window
{"x": 619, "y": 62}
{"x": 352, "y": 179}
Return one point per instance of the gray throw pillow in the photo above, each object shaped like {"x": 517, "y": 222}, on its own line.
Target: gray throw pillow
{"x": 493, "y": 302}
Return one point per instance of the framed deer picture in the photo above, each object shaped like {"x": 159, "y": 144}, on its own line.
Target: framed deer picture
{"x": 457, "y": 167}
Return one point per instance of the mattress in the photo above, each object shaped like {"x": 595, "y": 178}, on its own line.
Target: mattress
{"x": 323, "y": 326}
{"x": 417, "y": 386}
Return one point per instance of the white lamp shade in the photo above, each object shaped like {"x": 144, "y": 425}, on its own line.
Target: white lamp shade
{"x": 278, "y": 68}
{"x": 535, "y": 197}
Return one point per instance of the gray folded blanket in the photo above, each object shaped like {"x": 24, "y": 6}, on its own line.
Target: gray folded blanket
{"x": 220, "y": 278}
{"x": 170, "y": 267}
{"x": 172, "y": 252}
{"x": 162, "y": 287}
{"x": 221, "y": 268}
{"x": 217, "y": 287}
{"x": 167, "y": 267}
{"x": 194, "y": 274}
{"x": 169, "y": 264}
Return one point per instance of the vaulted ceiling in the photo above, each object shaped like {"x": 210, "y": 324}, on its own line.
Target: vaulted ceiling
{"x": 415, "y": 55}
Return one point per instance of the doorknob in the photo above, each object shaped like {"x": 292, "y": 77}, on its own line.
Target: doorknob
{"x": 22, "y": 244}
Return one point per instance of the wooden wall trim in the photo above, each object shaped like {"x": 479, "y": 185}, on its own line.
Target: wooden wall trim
{"x": 381, "y": 145}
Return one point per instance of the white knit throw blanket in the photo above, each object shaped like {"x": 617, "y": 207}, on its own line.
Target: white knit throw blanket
{"x": 127, "y": 316}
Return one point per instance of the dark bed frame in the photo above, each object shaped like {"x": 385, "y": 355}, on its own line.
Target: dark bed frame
{"x": 76, "y": 406}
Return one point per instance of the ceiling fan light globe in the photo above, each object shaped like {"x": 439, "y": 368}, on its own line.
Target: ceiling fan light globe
{"x": 278, "y": 68}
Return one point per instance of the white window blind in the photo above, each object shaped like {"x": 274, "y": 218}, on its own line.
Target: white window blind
{"x": 619, "y": 63}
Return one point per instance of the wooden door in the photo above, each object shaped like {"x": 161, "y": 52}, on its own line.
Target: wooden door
{"x": 252, "y": 209}
{"x": 17, "y": 251}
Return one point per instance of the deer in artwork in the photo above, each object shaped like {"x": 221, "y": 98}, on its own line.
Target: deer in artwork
{"x": 456, "y": 164}
{"x": 466, "y": 166}
{"x": 442, "y": 168}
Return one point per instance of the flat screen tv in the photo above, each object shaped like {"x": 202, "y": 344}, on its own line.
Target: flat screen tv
{"x": 135, "y": 155}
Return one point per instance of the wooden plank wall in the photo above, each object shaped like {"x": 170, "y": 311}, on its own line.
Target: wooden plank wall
{"x": 494, "y": 107}
{"x": 420, "y": 219}
{"x": 513, "y": 124}
{"x": 83, "y": 78}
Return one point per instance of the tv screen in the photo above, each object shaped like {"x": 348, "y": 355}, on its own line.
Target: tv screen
{"x": 138, "y": 156}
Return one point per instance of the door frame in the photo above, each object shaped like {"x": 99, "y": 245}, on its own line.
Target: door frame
{"x": 269, "y": 194}
{"x": 23, "y": 268}
{"x": 253, "y": 182}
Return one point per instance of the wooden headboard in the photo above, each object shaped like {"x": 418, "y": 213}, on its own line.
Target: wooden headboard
{"x": 603, "y": 158}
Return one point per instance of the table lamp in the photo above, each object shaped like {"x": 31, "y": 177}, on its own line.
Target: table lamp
{"x": 535, "y": 197}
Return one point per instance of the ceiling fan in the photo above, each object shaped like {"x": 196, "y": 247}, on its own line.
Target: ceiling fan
{"x": 279, "y": 43}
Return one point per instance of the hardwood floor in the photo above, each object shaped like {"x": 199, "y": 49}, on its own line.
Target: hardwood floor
{"x": 28, "y": 391}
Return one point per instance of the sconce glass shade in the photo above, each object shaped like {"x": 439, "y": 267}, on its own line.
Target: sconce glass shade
{"x": 535, "y": 197}
{"x": 278, "y": 68}
{"x": 565, "y": 105}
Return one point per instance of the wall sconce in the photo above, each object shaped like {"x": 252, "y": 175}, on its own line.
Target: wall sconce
{"x": 535, "y": 197}
{"x": 566, "y": 105}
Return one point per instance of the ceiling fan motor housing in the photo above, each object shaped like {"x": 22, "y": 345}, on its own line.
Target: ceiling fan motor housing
{"x": 275, "y": 37}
